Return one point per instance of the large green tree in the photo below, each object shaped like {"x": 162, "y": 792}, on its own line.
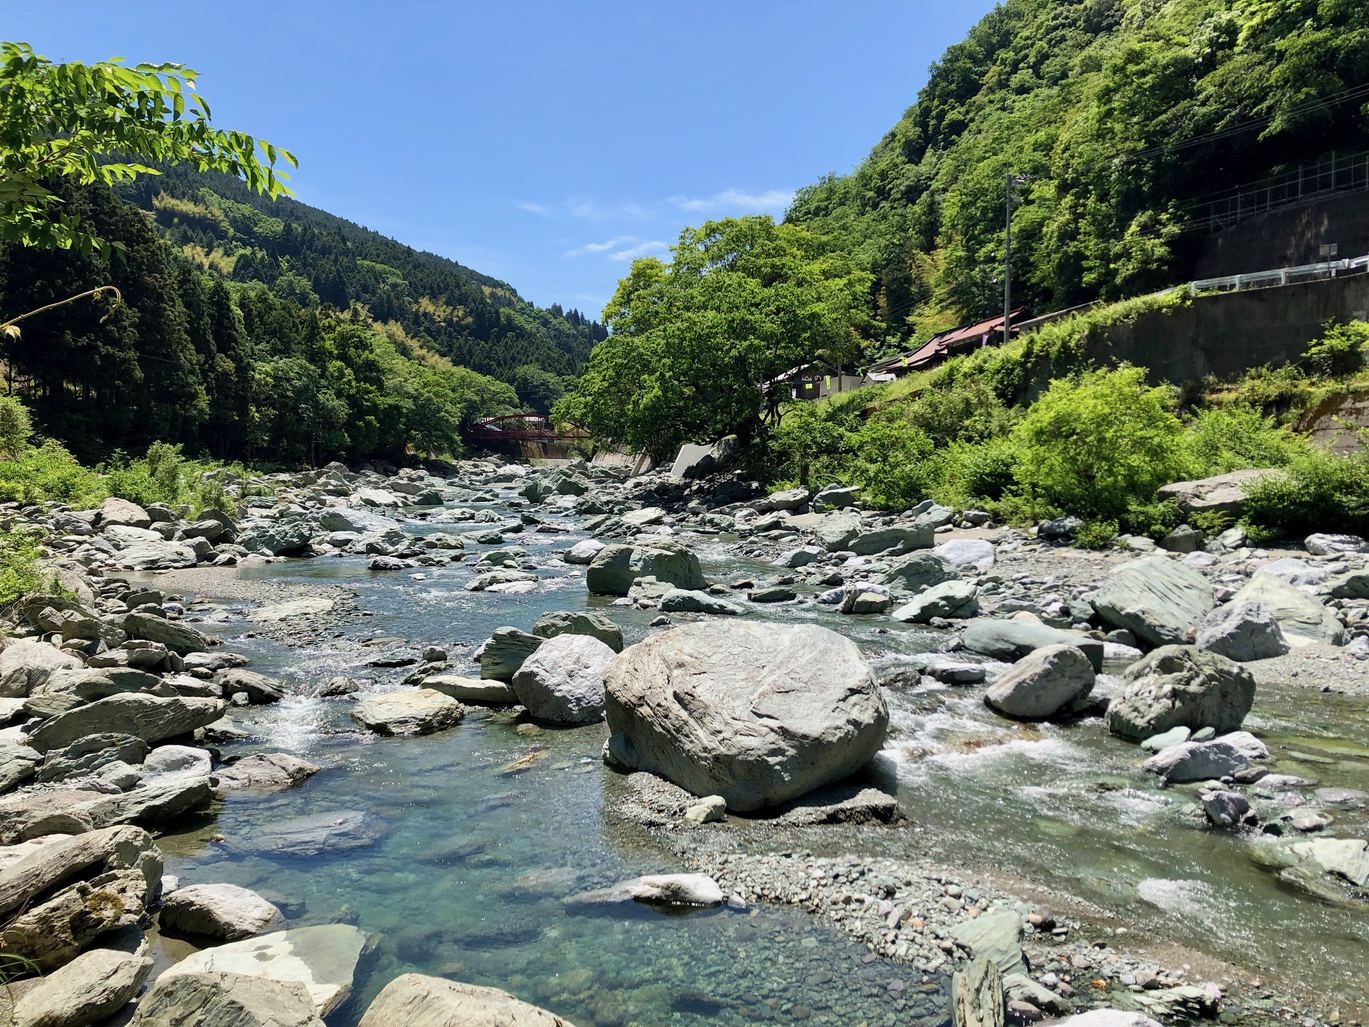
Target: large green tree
{"x": 695, "y": 342}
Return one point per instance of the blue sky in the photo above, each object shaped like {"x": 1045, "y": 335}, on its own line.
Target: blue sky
{"x": 546, "y": 143}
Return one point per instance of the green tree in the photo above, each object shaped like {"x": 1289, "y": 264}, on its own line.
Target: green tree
{"x": 106, "y": 123}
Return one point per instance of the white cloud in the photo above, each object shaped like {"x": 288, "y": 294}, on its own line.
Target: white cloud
{"x": 645, "y": 249}
{"x": 600, "y": 247}
{"x": 588, "y": 209}
{"x": 535, "y": 208}
{"x": 737, "y": 201}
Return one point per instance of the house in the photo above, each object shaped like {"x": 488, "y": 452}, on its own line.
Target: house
{"x": 942, "y": 346}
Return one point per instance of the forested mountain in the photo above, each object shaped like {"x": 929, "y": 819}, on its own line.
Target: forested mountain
{"x": 267, "y": 331}
{"x": 1120, "y": 114}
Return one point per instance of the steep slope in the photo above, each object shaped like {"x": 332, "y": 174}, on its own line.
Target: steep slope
{"x": 1121, "y": 115}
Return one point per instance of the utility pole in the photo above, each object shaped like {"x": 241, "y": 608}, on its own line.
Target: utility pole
{"x": 1010, "y": 181}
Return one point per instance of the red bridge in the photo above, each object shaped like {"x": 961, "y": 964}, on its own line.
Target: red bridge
{"x": 527, "y": 427}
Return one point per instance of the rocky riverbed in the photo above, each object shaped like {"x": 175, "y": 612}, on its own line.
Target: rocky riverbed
{"x": 1217, "y": 869}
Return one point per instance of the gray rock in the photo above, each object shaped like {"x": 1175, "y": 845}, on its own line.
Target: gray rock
{"x": 967, "y": 552}
{"x": 1302, "y": 617}
{"x": 616, "y": 567}
{"x": 679, "y": 600}
{"x": 563, "y": 682}
{"x": 265, "y": 770}
{"x": 900, "y": 538}
{"x": 148, "y": 717}
{"x": 278, "y": 538}
{"x": 219, "y": 912}
{"x": 773, "y": 594}
{"x": 1203, "y": 761}
{"x": 864, "y": 601}
{"x": 415, "y": 1000}
{"x": 1183, "y": 539}
{"x": 422, "y": 711}
{"x": 177, "y": 761}
{"x": 977, "y": 995}
{"x": 155, "y": 556}
{"x": 1014, "y": 639}
{"x": 580, "y": 622}
{"x": 1225, "y": 809}
{"x": 504, "y": 653}
{"x": 916, "y": 572}
{"x": 997, "y": 936}
{"x": 316, "y": 833}
{"x": 1181, "y": 686}
{"x": 114, "y": 511}
{"x": 310, "y": 606}
{"x": 259, "y": 689}
{"x": 584, "y": 552}
{"x": 1335, "y": 545}
{"x": 1107, "y": 1018}
{"x": 92, "y": 987}
{"x": 951, "y": 600}
{"x": 323, "y": 959}
{"x": 835, "y": 497}
{"x": 1222, "y": 493}
{"x": 709, "y": 810}
{"x": 1159, "y": 600}
{"x": 1061, "y": 529}
{"x": 225, "y": 1000}
{"x": 657, "y": 890}
{"x": 179, "y": 638}
{"x": 67, "y": 689}
{"x": 1242, "y": 631}
{"x": 836, "y": 531}
{"x": 1043, "y": 683}
{"x": 26, "y": 663}
{"x": 757, "y": 713}
{"x": 801, "y": 557}
{"x": 1165, "y": 739}
{"x": 18, "y": 763}
{"x": 88, "y": 754}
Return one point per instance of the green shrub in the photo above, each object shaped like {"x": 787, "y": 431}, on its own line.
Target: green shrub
{"x": 969, "y": 472}
{"x": 891, "y": 462}
{"x": 1227, "y": 438}
{"x": 1099, "y": 443}
{"x": 1273, "y": 389}
{"x": 1340, "y": 351}
{"x": 20, "y": 567}
{"x": 48, "y": 473}
{"x": 1155, "y": 519}
{"x": 963, "y": 409}
{"x": 15, "y": 428}
{"x": 1096, "y": 534}
{"x": 1211, "y": 522}
{"x": 1318, "y": 491}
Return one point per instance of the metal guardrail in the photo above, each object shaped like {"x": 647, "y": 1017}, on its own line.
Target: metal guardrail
{"x": 1339, "y": 173}
{"x": 1283, "y": 276}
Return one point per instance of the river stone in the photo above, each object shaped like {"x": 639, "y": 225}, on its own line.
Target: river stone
{"x": 88, "y": 754}
{"x": 1203, "y": 761}
{"x": 836, "y": 531}
{"x": 680, "y": 600}
{"x": 1107, "y": 1018}
{"x": 322, "y": 958}
{"x": 1222, "y": 493}
{"x": 1014, "y": 639}
{"x": 259, "y": 689}
{"x": 312, "y": 606}
{"x": 996, "y": 936}
{"x": 504, "y": 653}
{"x": 1165, "y": 739}
{"x": 584, "y": 552}
{"x": 415, "y": 1000}
{"x": 317, "y": 833}
{"x": 179, "y": 638}
{"x": 1178, "y": 685}
{"x": 18, "y": 763}
{"x": 155, "y": 556}
{"x": 977, "y": 995}
{"x": 149, "y": 717}
{"x": 900, "y": 538}
{"x": 951, "y": 600}
{"x": 916, "y": 572}
{"x": 115, "y": 511}
{"x": 616, "y": 567}
{"x": 1242, "y": 631}
{"x": 220, "y": 912}
{"x": 1157, "y": 599}
{"x": 757, "y": 713}
{"x": 1302, "y": 617}
{"x": 480, "y": 691}
{"x": 563, "y": 681}
{"x": 93, "y": 986}
{"x": 1042, "y": 683}
{"x": 967, "y": 552}
{"x": 580, "y": 622}
{"x": 1335, "y": 545}
{"x": 420, "y": 712}
{"x": 224, "y": 1000}
{"x": 265, "y": 770}
{"x": 178, "y": 761}
{"x": 278, "y": 538}
{"x": 27, "y": 663}
{"x": 1342, "y": 857}
{"x": 67, "y": 689}
{"x": 1225, "y": 809}
{"x": 657, "y": 890}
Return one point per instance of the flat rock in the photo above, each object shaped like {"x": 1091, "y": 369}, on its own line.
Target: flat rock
{"x": 265, "y": 770}
{"x": 323, "y": 959}
{"x": 27, "y": 662}
{"x": 1242, "y": 631}
{"x": 680, "y": 600}
{"x": 95, "y": 985}
{"x": 422, "y": 711}
{"x": 415, "y": 1000}
{"x": 316, "y": 833}
{"x": 1159, "y": 600}
{"x": 580, "y": 622}
{"x": 313, "y": 606}
{"x": 220, "y": 912}
{"x": 179, "y": 638}
{"x": 480, "y": 691}
{"x": 1210, "y": 760}
{"x": 1014, "y": 639}
{"x": 949, "y": 600}
{"x": 657, "y": 890}
{"x": 151, "y": 718}
{"x": 1222, "y": 493}
{"x": 1301, "y": 616}
{"x": 225, "y": 1000}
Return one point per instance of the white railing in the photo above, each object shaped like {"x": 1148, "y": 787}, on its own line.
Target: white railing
{"x": 1283, "y": 276}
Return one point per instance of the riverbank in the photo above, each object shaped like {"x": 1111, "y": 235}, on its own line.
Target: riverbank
{"x": 998, "y": 811}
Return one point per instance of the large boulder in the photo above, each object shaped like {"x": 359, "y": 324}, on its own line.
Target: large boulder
{"x": 917, "y": 571}
{"x": 977, "y": 553}
{"x": 67, "y": 689}
{"x": 504, "y": 652}
{"x": 1042, "y": 683}
{"x": 615, "y": 568}
{"x": 265, "y": 770}
{"x": 225, "y": 1000}
{"x": 259, "y": 689}
{"x": 1014, "y": 639}
{"x": 580, "y": 622}
{"x": 1243, "y": 632}
{"x": 1205, "y": 761}
{"x": 681, "y": 600}
{"x": 757, "y": 713}
{"x": 563, "y": 681}
{"x": 1301, "y": 616}
{"x": 322, "y": 958}
{"x": 115, "y": 511}
{"x": 27, "y": 663}
{"x": 415, "y": 1000}
{"x": 836, "y": 531}
{"x": 179, "y": 638}
{"x": 92, "y": 987}
{"x": 1159, "y": 600}
{"x": 657, "y": 890}
{"x": 954, "y": 599}
{"x": 220, "y": 912}
{"x": 898, "y": 538}
{"x": 1221, "y": 494}
{"x": 420, "y": 712}
{"x": 278, "y": 538}
{"x": 149, "y": 717}
{"x": 1181, "y": 686}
